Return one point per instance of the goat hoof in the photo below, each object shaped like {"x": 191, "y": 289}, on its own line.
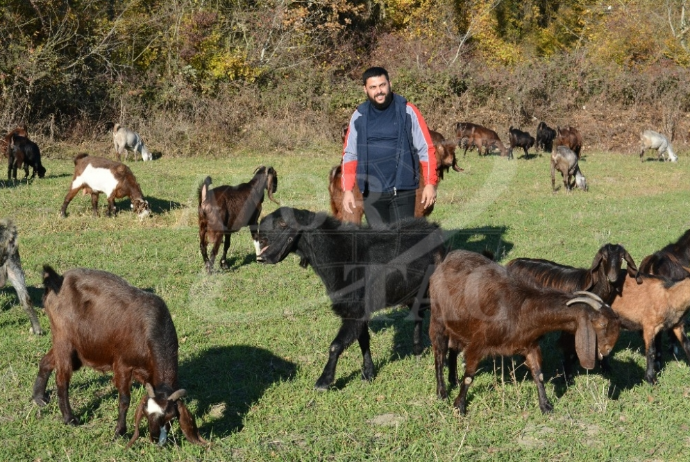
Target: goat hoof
{"x": 35, "y": 331}
{"x": 321, "y": 388}
{"x": 71, "y": 420}
{"x": 546, "y": 408}
{"x": 41, "y": 400}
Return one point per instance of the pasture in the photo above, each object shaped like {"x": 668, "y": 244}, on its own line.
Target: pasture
{"x": 254, "y": 339}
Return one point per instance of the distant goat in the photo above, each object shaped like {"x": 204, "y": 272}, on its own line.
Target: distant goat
{"x": 126, "y": 140}
{"x": 565, "y": 161}
{"x": 519, "y": 139}
{"x": 445, "y": 160}
{"x": 569, "y": 137}
{"x": 5, "y": 142}
{"x": 473, "y": 135}
{"x": 97, "y": 319}
{"x": 545, "y": 137}
{"x": 479, "y": 308}
{"x": 23, "y": 152}
{"x": 114, "y": 179}
{"x": 11, "y": 267}
{"x": 652, "y": 140}
{"x": 227, "y": 209}
{"x": 363, "y": 269}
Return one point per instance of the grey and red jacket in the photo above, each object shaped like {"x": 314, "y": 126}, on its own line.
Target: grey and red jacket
{"x": 415, "y": 153}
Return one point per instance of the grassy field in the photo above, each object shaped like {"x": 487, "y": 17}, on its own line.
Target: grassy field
{"x": 254, "y": 339}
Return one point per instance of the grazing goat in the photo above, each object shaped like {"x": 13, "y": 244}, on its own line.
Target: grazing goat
{"x": 545, "y": 137}
{"x": 565, "y": 161}
{"x": 114, "y": 179}
{"x": 479, "y": 137}
{"x": 126, "y": 140}
{"x": 226, "y": 209}
{"x": 603, "y": 278}
{"x": 11, "y": 268}
{"x": 23, "y": 151}
{"x": 445, "y": 160}
{"x": 652, "y": 304}
{"x": 652, "y": 140}
{"x": 518, "y": 138}
{"x": 363, "y": 269}
{"x": 477, "y": 307}
{"x": 5, "y": 142}
{"x": 97, "y": 319}
{"x": 569, "y": 137}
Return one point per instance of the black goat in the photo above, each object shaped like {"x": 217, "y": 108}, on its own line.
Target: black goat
{"x": 23, "y": 152}
{"x": 545, "y": 137}
{"x": 603, "y": 279}
{"x": 227, "y": 209}
{"x": 520, "y": 139}
{"x": 363, "y": 269}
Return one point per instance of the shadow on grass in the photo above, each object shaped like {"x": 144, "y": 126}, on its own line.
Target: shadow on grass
{"x": 227, "y": 381}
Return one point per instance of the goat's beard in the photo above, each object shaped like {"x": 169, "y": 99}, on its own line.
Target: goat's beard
{"x": 385, "y": 104}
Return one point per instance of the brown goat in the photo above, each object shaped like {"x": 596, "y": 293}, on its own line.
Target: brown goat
{"x": 472, "y": 135}
{"x": 445, "y": 160}
{"x": 114, "y": 179}
{"x": 652, "y": 304}
{"x": 477, "y": 307}
{"x": 569, "y": 137}
{"x": 98, "y": 320}
{"x": 603, "y": 278}
{"x": 227, "y": 209}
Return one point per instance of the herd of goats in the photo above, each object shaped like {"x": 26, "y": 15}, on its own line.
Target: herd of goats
{"x": 478, "y": 307}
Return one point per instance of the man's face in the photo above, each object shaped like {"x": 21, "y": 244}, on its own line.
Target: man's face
{"x": 378, "y": 90}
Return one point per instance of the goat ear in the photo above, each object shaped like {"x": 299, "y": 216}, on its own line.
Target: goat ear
{"x": 51, "y": 280}
{"x": 632, "y": 269}
{"x": 188, "y": 425}
{"x": 585, "y": 342}
{"x": 137, "y": 419}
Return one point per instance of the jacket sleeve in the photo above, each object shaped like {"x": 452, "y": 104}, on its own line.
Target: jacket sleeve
{"x": 425, "y": 147}
{"x": 349, "y": 169}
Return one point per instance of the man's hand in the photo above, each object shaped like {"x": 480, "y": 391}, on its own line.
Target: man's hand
{"x": 349, "y": 201}
{"x": 428, "y": 196}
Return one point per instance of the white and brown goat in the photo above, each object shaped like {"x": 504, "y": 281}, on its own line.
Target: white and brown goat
{"x": 98, "y": 175}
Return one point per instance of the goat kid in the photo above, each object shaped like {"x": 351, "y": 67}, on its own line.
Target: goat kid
{"x": 520, "y": 139}
{"x": 11, "y": 268}
{"x": 565, "y": 161}
{"x": 23, "y": 152}
{"x": 545, "y": 137}
{"x": 98, "y": 320}
{"x": 477, "y": 307}
{"x": 98, "y": 175}
{"x": 227, "y": 209}
{"x": 472, "y": 135}
{"x": 5, "y": 142}
{"x": 126, "y": 140}
{"x": 363, "y": 269}
{"x": 569, "y": 137}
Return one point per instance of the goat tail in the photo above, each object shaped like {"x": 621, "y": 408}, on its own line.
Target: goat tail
{"x": 51, "y": 280}
{"x": 202, "y": 190}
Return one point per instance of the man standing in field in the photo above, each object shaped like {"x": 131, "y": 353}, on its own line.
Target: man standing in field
{"x": 386, "y": 142}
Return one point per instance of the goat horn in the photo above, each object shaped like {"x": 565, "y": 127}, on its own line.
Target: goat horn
{"x": 589, "y": 301}
{"x": 181, "y": 393}
{"x": 589, "y": 294}
{"x": 149, "y": 390}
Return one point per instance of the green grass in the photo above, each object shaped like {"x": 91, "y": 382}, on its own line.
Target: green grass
{"x": 253, "y": 340}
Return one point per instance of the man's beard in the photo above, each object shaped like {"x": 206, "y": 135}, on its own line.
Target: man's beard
{"x": 386, "y": 102}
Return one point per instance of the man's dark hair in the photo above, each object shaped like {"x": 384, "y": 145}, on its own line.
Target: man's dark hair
{"x": 374, "y": 72}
